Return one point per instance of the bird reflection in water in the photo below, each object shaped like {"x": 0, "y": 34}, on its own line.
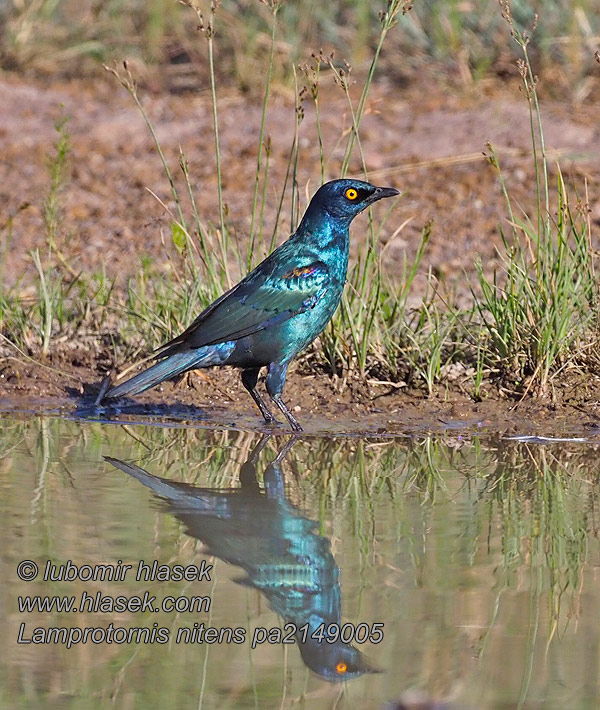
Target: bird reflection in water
{"x": 259, "y": 530}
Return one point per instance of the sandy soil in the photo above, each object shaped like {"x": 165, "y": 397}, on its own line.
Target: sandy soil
{"x": 422, "y": 139}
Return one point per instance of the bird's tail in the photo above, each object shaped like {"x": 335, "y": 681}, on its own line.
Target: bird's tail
{"x": 170, "y": 367}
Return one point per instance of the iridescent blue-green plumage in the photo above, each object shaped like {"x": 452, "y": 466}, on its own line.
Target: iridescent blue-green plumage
{"x": 276, "y": 310}
{"x": 280, "y": 550}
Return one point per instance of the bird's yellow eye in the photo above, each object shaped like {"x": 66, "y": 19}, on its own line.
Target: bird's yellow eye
{"x": 341, "y": 667}
{"x": 351, "y": 193}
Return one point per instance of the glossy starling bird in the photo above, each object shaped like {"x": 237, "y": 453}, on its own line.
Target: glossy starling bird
{"x": 279, "y": 549}
{"x": 278, "y": 309}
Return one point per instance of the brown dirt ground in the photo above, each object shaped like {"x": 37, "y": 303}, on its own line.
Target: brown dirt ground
{"x": 217, "y": 399}
{"x": 423, "y": 139}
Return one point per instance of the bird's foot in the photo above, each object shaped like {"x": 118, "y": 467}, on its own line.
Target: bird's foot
{"x": 269, "y": 418}
{"x": 293, "y": 422}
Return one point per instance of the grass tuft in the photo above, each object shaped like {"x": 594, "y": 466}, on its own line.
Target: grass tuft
{"x": 541, "y": 310}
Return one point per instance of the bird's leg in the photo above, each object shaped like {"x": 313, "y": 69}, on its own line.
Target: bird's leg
{"x": 249, "y": 380}
{"x": 248, "y": 470}
{"x": 275, "y": 381}
{"x": 273, "y": 477}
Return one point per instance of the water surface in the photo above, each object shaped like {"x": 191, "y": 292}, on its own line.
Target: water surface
{"x": 479, "y": 556}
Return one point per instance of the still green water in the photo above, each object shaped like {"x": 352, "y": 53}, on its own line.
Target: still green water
{"x": 465, "y": 570}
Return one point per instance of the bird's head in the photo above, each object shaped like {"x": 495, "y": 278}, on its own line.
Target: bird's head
{"x": 335, "y": 661}
{"x": 344, "y": 199}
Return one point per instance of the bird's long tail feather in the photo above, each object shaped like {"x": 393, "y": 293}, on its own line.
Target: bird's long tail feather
{"x": 170, "y": 367}
{"x": 181, "y": 496}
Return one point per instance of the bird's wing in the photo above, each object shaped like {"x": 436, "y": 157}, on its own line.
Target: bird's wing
{"x": 259, "y": 301}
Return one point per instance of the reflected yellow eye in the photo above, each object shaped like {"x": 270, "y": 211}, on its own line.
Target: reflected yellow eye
{"x": 341, "y": 666}
{"x": 351, "y": 193}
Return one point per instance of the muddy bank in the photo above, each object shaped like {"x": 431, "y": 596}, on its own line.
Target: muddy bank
{"x": 323, "y": 404}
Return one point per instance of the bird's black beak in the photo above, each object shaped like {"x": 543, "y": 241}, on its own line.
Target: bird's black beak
{"x": 381, "y": 192}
